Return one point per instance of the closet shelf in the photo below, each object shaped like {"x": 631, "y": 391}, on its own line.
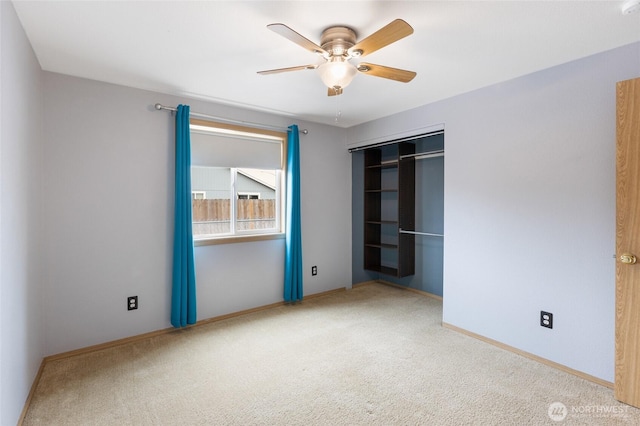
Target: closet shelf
{"x": 383, "y": 245}
{"x": 385, "y": 173}
{"x": 384, "y": 165}
{"x": 373, "y": 191}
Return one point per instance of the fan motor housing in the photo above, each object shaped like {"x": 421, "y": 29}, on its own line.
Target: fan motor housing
{"x": 337, "y": 40}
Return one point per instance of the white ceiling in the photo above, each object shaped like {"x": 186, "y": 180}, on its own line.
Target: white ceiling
{"x": 212, "y": 49}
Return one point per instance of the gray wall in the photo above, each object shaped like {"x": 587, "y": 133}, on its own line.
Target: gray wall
{"x": 109, "y": 192}
{"x": 21, "y": 333}
{"x": 530, "y": 207}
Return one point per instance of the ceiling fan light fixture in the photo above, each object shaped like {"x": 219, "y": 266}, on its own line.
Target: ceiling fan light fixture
{"x": 337, "y": 73}
{"x": 338, "y": 45}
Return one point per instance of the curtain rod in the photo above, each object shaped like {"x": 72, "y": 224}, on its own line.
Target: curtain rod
{"x": 159, "y": 107}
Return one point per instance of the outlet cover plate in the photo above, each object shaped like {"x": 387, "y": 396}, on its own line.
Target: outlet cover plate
{"x": 546, "y": 319}
{"x": 132, "y": 303}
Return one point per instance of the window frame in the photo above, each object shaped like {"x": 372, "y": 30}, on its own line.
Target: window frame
{"x": 246, "y": 236}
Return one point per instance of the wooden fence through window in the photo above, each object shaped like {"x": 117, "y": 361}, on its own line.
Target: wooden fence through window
{"x": 212, "y": 216}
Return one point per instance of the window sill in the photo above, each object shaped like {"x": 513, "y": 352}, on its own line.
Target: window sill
{"x": 238, "y": 239}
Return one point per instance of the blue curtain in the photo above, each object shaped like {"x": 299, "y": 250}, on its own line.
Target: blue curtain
{"x": 293, "y": 241}
{"x": 183, "y": 300}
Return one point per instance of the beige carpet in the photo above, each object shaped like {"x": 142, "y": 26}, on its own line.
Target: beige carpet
{"x": 375, "y": 355}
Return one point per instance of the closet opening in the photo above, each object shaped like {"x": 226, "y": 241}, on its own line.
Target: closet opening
{"x": 398, "y": 212}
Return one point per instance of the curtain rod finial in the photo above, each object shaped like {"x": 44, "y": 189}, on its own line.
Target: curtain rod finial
{"x": 158, "y": 107}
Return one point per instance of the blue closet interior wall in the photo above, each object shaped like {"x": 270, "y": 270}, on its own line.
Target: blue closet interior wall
{"x": 429, "y": 218}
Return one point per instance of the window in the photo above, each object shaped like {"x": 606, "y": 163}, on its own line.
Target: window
{"x": 248, "y": 196}
{"x": 236, "y": 181}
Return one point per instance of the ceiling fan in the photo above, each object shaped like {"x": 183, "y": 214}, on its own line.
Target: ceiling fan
{"x": 338, "y": 45}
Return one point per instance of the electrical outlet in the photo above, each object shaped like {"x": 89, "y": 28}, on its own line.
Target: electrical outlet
{"x": 132, "y": 303}
{"x": 314, "y": 270}
{"x": 546, "y": 319}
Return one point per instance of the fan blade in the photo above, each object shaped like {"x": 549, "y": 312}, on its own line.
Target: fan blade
{"x": 391, "y": 33}
{"x": 396, "y": 74}
{"x": 334, "y": 92}
{"x": 298, "y": 39}
{"x": 279, "y": 70}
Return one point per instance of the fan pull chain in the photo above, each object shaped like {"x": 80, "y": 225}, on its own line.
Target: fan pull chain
{"x": 338, "y": 112}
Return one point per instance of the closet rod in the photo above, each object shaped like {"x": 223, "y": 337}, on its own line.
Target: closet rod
{"x": 428, "y": 234}
{"x": 159, "y": 107}
{"x": 423, "y": 155}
